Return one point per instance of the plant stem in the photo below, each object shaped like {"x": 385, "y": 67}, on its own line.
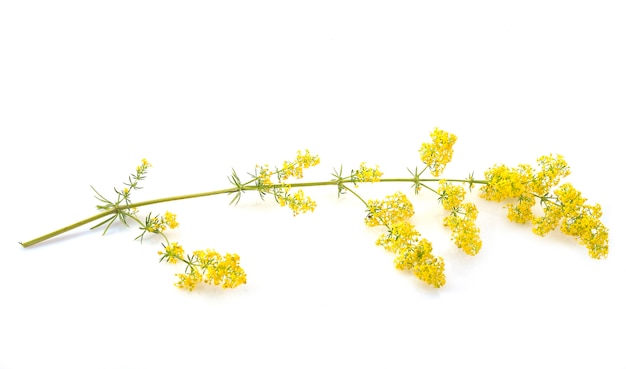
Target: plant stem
{"x": 244, "y": 187}
{"x": 357, "y": 195}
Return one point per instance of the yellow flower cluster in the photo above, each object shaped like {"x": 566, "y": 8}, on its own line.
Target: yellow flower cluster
{"x": 562, "y": 206}
{"x": 204, "y": 265}
{"x": 298, "y": 202}
{"x": 465, "y": 233}
{"x": 412, "y": 252}
{"x": 210, "y": 267}
{"x": 189, "y": 279}
{"x": 295, "y": 168}
{"x": 578, "y": 219}
{"x": 395, "y": 208}
{"x": 159, "y": 224}
{"x": 264, "y": 176}
{"x": 552, "y": 170}
{"x": 505, "y": 182}
{"x": 366, "y": 174}
{"x": 170, "y": 220}
{"x": 437, "y": 155}
{"x": 143, "y": 167}
{"x": 450, "y": 196}
{"x": 173, "y": 253}
{"x": 462, "y": 218}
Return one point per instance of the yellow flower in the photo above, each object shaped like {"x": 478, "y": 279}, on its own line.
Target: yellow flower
{"x": 582, "y": 221}
{"x": 220, "y": 270}
{"x": 189, "y": 280}
{"x": 465, "y": 233}
{"x": 232, "y": 275}
{"x": 505, "y": 183}
{"x": 552, "y": 215}
{"x": 398, "y": 234}
{"x": 264, "y": 176}
{"x": 412, "y": 253}
{"x": 295, "y": 169}
{"x": 173, "y": 253}
{"x": 394, "y": 209}
{"x": 451, "y": 196}
{"x": 143, "y": 166}
{"x": 462, "y": 219}
{"x": 170, "y": 220}
{"x": 563, "y": 206}
{"x": 522, "y": 211}
{"x": 159, "y": 224}
{"x": 366, "y": 174}
{"x": 553, "y": 169}
{"x": 211, "y": 267}
{"x": 437, "y": 155}
{"x": 431, "y": 271}
{"x": 298, "y": 202}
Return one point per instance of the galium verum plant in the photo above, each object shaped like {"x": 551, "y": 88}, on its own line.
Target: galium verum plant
{"x": 532, "y": 195}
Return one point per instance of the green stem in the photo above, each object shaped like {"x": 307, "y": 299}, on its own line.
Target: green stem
{"x": 67, "y": 228}
{"x": 357, "y": 195}
{"x": 123, "y": 207}
{"x": 244, "y": 187}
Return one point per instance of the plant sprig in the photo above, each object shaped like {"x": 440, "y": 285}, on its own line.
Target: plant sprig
{"x": 524, "y": 189}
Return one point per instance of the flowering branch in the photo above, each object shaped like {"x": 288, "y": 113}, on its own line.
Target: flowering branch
{"x": 521, "y": 187}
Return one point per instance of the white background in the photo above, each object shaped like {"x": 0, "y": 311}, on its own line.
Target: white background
{"x": 88, "y": 89}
